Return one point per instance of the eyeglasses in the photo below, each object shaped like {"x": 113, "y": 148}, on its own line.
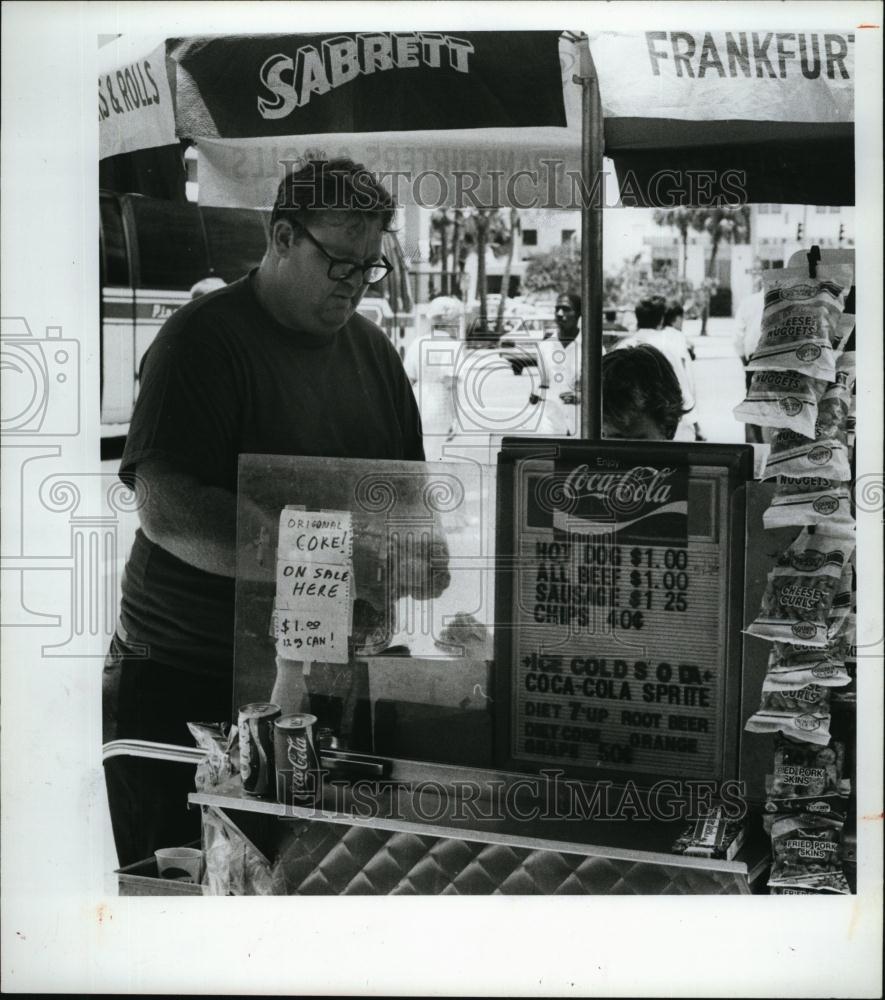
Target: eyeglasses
{"x": 341, "y": 270}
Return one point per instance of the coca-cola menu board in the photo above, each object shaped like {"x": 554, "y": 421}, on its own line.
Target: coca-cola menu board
{"x": 620, "y": 578}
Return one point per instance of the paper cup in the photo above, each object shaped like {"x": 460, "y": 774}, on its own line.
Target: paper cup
{"x": 179, "y": 864}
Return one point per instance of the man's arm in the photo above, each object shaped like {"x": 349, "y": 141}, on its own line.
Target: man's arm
{"x": 194, "y": 522}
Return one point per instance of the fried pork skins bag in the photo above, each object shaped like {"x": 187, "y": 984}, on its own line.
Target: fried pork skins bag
{"x": 807, "y": 854}
{"x": 806, "y": 779}
{"x": 800, "y": 321}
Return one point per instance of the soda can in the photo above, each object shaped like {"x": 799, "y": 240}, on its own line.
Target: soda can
{"x": 297, "y": 761}
{"x": 255, "y": 724}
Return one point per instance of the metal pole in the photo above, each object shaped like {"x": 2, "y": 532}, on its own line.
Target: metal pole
{"x": 592, "y": 145}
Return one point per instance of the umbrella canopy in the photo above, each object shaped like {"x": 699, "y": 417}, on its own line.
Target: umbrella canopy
{"x": 468, "y": 118}
{"x": 758, "y": 115}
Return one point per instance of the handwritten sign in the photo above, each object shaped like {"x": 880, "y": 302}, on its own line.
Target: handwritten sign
{"x": 313, "y": 609}
{"x": 324, "y": 536}
{"x": 309, "y": 635}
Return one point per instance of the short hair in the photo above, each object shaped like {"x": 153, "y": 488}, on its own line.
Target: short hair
{"x": 332, "y": 185}
{"x": 674, "y": 311}
{"x": 650, "y": 312}
{"x": 573, "y": 298}
{"x": 640, "y": 381}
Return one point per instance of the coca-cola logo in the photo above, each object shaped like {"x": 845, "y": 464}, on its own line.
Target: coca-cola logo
{"x": 245, "y": 751}
{"x": 790, "y": 405}
{"x": 826, "y": 505}
{"x": 296, "y": 754}
{"x": 808, "y": 723}
{"x": 625, "y": 490}
{"x": 808, "y": 352}
{"x": 803, "y": 630}
{"x": 820, "y": 455}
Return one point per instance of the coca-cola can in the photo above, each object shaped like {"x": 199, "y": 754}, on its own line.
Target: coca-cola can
{"x": 297, "y": 761}
{"x": 255, "y": 724}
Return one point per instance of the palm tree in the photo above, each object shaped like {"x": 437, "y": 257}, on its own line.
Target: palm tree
{"x": 507, "y": 239}
{"x": 729, "y": 224}
{"x": 679, "y": 219}
{"x": 476, "y": 235}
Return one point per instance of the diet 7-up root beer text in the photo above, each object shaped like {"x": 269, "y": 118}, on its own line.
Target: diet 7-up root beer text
{"x": 620, "y": 612}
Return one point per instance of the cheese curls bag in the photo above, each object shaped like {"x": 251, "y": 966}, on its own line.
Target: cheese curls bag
{"x": 801, "y": 588}
{"x": 782, "y": 399}
{"x": 803, "y": 713}
{"x": 810, "y": 500}
{"x": 800, "y": 321}
{"x": 792, "y": 666}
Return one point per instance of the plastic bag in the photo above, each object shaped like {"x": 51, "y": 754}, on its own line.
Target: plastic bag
{"x": 801, "y": 588}
{"x": 810, "y": 500}
{"x": 806, "y": 779}
{"x": 800, "y": 321}
{"x": 234, "y": 866}
{"x": 218, "y": 739}
{"x": 807, "y": 853}
{"x": 826, "y": 455}
{"x": 782, "y": 399}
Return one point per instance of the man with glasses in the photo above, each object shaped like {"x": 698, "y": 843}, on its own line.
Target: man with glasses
{"x": 278, "y": 362}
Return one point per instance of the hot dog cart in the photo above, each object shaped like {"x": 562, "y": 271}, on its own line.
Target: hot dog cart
{"x": 531, "y": 676}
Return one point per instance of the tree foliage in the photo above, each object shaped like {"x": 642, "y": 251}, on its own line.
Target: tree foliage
{"x": 557, "y": 270}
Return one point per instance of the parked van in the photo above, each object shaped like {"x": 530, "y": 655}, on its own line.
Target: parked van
{"x": 153, "y": 251}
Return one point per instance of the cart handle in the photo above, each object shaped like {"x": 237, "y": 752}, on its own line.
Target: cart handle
{"x": 157, "y": 751}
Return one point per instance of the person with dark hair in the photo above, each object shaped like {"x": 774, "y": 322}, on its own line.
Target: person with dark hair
{"x": 651, "y": 316}
{"x": 650, "y": 313}
{"x": 278, "y": 362}
{"x": 559, "y": 360}
{"x": 641, "y": 397}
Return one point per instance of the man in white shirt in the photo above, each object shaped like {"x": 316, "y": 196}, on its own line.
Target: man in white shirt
{"x": 559, "y": 364}
{"x": 748, "y": 329}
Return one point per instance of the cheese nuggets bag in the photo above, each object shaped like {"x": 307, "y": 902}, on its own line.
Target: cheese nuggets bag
{"x": 801, "y": 588}
{"x": 810, "y": 500}
{"x": 800, "y": 321}
{"x": 782, "y": 399}
{"x": 826, "y": 455}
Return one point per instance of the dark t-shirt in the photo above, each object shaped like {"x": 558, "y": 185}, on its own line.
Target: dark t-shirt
{"x": 223, "y": 378}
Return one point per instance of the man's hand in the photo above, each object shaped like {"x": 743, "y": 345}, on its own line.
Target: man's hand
{"x": 194, "y": 522}
{"x": 419, "y": 566}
